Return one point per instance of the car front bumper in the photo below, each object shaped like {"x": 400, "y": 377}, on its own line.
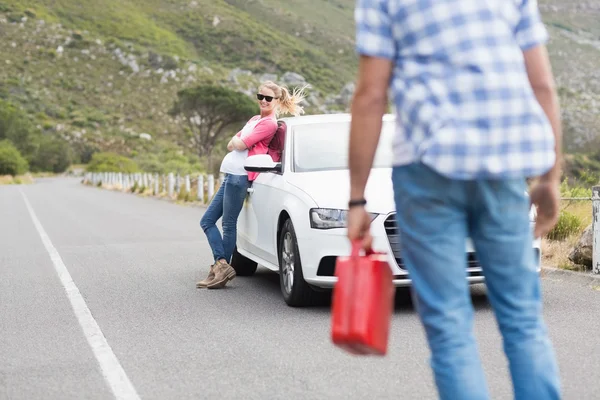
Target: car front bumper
{"x": 319, "y": 250}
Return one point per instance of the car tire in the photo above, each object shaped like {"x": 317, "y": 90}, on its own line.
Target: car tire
{"x": 296, "y": 292}
{"x": 243, "y": 266}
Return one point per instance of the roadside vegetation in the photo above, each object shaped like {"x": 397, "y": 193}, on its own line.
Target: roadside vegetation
{"x": 575, "y": 217}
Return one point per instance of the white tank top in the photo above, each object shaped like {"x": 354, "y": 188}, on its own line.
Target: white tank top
{"x": 233, "y": 163}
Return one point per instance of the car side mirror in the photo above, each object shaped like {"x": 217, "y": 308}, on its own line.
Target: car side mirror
{"x": 261, "y": 163}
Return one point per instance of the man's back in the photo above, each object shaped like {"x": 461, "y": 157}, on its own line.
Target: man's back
{"x": 477, "y": 114}
{"x": 464, "y": 103}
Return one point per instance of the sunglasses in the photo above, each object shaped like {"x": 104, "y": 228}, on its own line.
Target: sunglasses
{"x": 262, "y": 97}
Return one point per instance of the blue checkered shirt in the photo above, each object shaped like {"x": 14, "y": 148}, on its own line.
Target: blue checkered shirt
{"x": 463, "y": 101}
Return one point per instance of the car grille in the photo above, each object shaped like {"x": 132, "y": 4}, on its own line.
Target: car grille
{"x": 391, "y": 229}
{"x": 393, "y": 235}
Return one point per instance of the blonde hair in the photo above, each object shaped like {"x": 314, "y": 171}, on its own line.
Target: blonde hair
{"x": 289, "y": 103}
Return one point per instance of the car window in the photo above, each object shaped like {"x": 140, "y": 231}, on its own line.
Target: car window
{"x": 324, "y": 146}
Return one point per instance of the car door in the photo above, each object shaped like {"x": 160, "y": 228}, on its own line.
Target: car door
{"x": 265, "y": 198}
{"x": 247, "y": 226}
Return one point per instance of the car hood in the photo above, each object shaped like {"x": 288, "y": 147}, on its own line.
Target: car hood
{"x": 331, "y": 189}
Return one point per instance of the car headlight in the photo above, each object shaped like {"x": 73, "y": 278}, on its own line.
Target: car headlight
{"x": 329, "y": 218}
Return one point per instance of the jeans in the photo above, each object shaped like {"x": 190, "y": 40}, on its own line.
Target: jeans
{"x": 435, "y": 215}
{"x": 227, "y": 203}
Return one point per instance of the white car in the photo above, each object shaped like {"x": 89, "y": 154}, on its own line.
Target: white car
{"x": 294, "y": 219}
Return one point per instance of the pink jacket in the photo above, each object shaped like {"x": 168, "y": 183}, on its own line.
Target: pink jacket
{"x": 258, "y": 141}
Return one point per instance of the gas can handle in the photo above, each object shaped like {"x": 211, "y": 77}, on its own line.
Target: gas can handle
{"x": 356, "y": 249}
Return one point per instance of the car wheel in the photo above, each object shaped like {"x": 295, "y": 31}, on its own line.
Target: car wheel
{"x": 296, "y": 292}
{"x": 243, "y": 266}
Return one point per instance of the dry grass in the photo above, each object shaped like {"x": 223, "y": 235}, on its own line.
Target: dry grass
{"x": 556, "y": 253}
{"x": 17, "y": 180}
{"x": 580, "y": 208}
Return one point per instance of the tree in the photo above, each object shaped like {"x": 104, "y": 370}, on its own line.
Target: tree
{"x": 209, "y": 111}
{"x": 11, "y": 161}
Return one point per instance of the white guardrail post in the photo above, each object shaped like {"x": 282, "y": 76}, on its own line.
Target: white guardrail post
{"x": 171, "y": 184}
{"x": 211, "y": 187}
{"x": 200, "y": 193}
{"x": 177, "y": 184}
{"x": 596, "y": 229}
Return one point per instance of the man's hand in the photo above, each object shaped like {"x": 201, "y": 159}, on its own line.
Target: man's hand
{"x": 546, "y": 196}
{"x": 359, "y": 227}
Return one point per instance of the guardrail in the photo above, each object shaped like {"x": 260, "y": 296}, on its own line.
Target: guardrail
{"x": 174, "y": 186}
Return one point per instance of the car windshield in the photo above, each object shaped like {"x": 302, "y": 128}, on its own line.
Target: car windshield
{"x": 324, "y": 146}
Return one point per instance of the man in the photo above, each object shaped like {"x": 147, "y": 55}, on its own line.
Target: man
{"x": 477, "y": 115}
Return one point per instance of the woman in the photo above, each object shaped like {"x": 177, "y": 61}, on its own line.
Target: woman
{"x": 227, "y": 203}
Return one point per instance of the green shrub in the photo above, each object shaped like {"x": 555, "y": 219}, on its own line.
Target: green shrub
{"x": 568, "y": 224}
{"x": 15, "y": 17}
{"x": 163, "y": 160}
{"x": 181, "y": 167}
{"x": 568, "y": 191}
{"x": 16, "y": 127}
{"x": 52, "y": 154}
{"x": 111, "y": 162}
{"x": 11, "y": 160}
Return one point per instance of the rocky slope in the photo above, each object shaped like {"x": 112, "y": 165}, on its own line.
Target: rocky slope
{"x": 106, "y": 72}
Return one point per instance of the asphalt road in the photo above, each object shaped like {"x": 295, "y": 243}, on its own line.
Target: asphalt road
{"x": 102, "y": 304}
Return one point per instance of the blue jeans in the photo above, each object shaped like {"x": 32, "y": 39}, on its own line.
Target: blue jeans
{"x": 435, "y": 215}
{"x": 227, "y": 203}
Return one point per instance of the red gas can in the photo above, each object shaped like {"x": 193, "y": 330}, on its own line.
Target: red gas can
{"x": 363, "y": 302}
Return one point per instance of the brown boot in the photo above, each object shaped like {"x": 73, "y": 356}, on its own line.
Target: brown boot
{"x": 211, "y": 275}
{"x": 223, "y": 274}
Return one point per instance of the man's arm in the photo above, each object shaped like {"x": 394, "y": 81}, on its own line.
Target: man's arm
{"x": 539, "y": 72}
{"x": 545, "y": 195}
{"x": 368, "y": 107}
{"x": 531, "y": 36}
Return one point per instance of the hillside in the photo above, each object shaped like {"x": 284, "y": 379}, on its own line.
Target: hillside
{"x": 575, "y": 52}
{"x": 259, "y": 36}
{"x": 103, "y": 72}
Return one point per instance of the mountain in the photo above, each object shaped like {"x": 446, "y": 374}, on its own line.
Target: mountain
{"x": 103, "y": 72}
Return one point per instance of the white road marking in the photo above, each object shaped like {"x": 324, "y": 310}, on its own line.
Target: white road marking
{"x": 112, "y": 370}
